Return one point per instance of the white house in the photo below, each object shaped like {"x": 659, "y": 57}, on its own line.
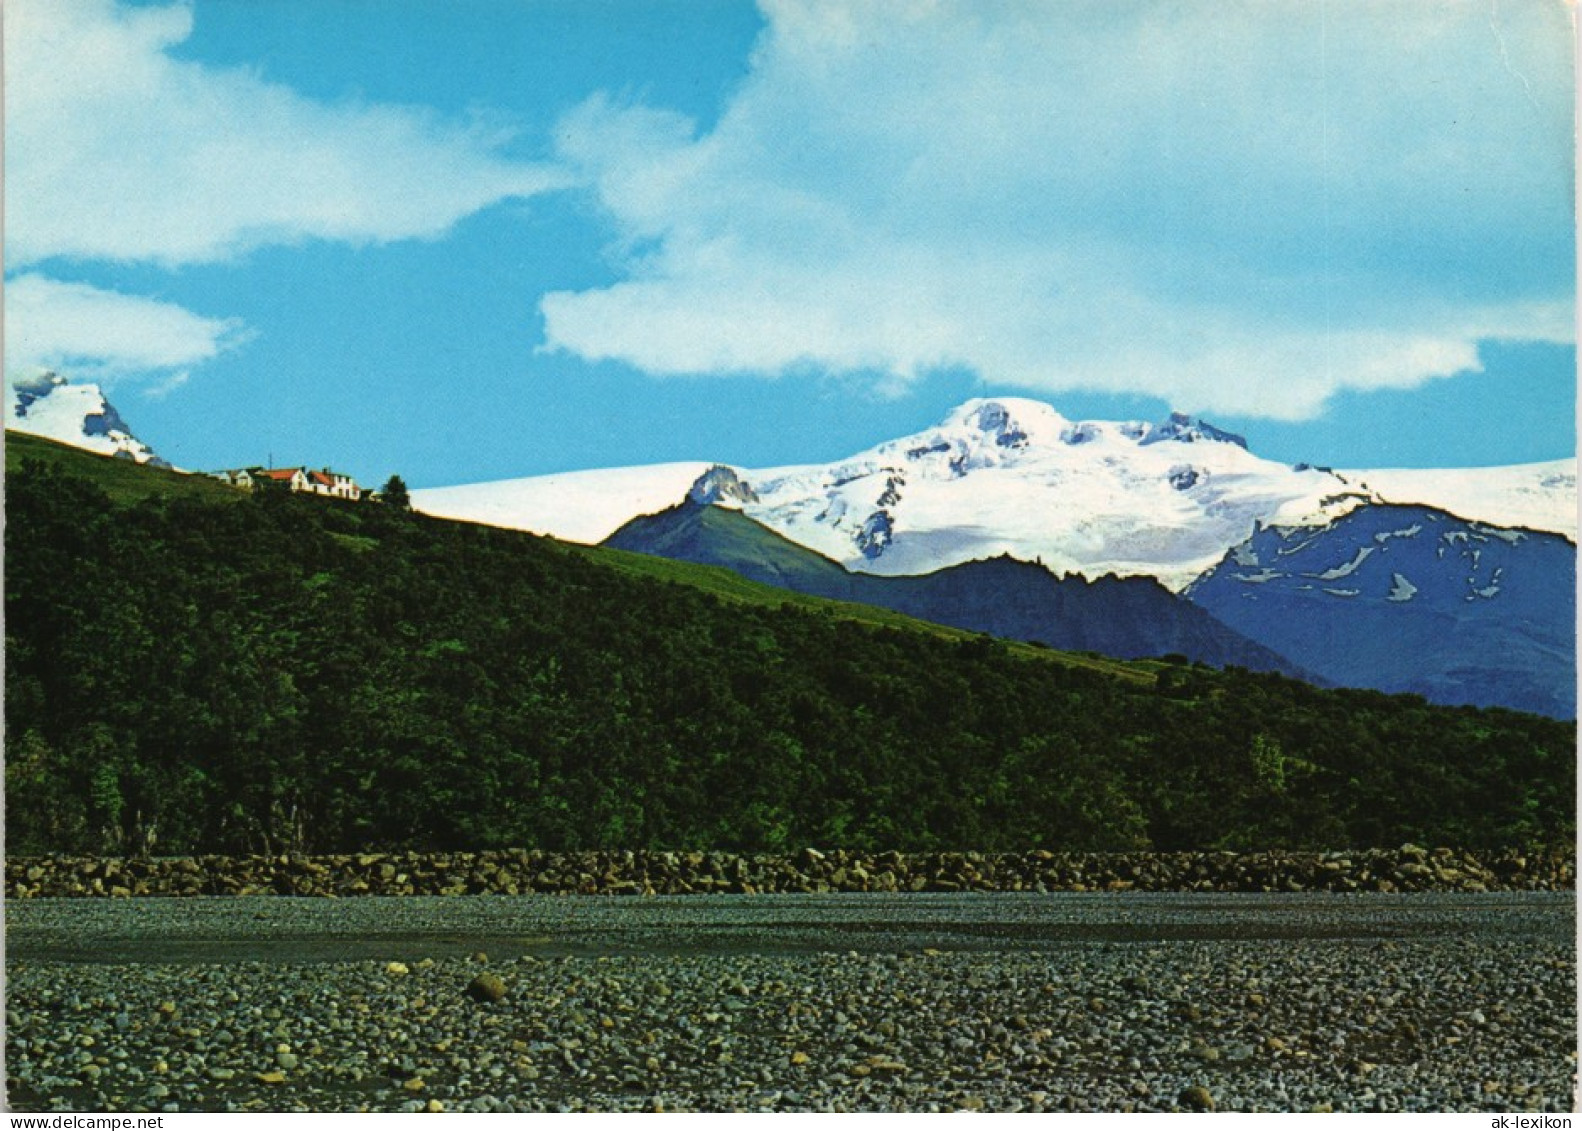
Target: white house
{"x": 305, "y": 480}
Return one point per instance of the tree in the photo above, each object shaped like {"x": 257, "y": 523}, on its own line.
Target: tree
{"x": 395, "y": 494}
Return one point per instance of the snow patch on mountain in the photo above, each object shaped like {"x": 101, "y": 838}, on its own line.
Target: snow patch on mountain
{"x": 1263, "y": 575}
{"x": 1346, "y": 569}
{"x": 1400, "y": 589}
{"x": 1411, "y": 531}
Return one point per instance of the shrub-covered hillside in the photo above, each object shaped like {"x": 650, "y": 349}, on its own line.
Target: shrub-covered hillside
{"x": 187, "y": 673}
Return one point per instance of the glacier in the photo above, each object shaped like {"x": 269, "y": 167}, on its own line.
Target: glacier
{"x": 1011, "y": 475}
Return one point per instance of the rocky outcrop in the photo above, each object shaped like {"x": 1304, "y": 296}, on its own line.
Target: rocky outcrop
{"x": 721, "y": 484}
{"x": 517, "y": 872}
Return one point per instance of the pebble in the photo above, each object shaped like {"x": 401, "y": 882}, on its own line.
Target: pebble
{"x": 623, "y": 1020}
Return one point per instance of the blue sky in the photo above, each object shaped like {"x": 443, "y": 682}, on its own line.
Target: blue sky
{"x": 468, "y": 241}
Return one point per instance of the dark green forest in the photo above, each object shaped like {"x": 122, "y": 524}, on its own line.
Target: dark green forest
{"x": 191, "y": 669}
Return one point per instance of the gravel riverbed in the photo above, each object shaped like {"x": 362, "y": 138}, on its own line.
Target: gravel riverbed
{"x": 921, "y": 1002}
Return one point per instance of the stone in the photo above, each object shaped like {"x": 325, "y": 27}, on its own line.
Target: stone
{"x": 1196, "y": 1098}
{"x": 486, "y": 988}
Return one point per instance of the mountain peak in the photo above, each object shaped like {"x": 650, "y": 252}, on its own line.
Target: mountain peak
{"x": 721, "y": 484}
{"x": 43, "y": 403}
{"x": 36, "y": 383}
{"x": 1189, "y": 430}
{"x": 1008, "y": 421}
{"x": 1014, "y": 422}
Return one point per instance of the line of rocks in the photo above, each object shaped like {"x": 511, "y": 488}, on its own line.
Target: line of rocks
{"x": 518, "y": 871}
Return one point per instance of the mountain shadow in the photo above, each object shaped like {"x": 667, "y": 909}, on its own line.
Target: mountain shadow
{"x": 1128, "y": 618}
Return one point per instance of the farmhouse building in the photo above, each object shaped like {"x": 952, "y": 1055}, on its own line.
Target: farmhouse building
{"x": 302, "y": 479}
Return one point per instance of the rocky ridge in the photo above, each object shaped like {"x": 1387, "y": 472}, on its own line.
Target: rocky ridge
{"x": 515, "y": 872}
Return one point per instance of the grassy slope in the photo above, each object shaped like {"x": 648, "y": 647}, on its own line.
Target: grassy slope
{"x": 690, "y": 532}
{"x": 121, "y": 479}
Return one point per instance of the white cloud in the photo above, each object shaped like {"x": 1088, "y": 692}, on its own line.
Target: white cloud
{"x": 115, "y": 150}
{"x": 105, "y": 335}
{"x": 118, "y": 152}
{"x": 1239, "y": 207}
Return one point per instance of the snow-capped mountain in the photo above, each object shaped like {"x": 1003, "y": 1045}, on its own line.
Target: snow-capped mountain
{"x": 1409, "y": 598}
{"x": 1013, "y": 476}
{"x": 47, "y": 404}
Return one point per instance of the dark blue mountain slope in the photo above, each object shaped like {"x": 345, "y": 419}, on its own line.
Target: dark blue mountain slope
{"x": 1129, "y": 618}
{"x": 1408, "y": 598}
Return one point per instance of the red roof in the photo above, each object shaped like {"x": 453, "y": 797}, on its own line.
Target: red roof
{"x": 284, "y": 473}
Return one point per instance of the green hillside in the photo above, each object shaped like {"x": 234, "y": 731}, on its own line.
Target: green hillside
{"x": 127, "y": 482}
{"x": 121, "y": 479}
{"x": 190, "y": 668}
{"x": 692, "y": 532}
{"x": 731, "y": 586}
